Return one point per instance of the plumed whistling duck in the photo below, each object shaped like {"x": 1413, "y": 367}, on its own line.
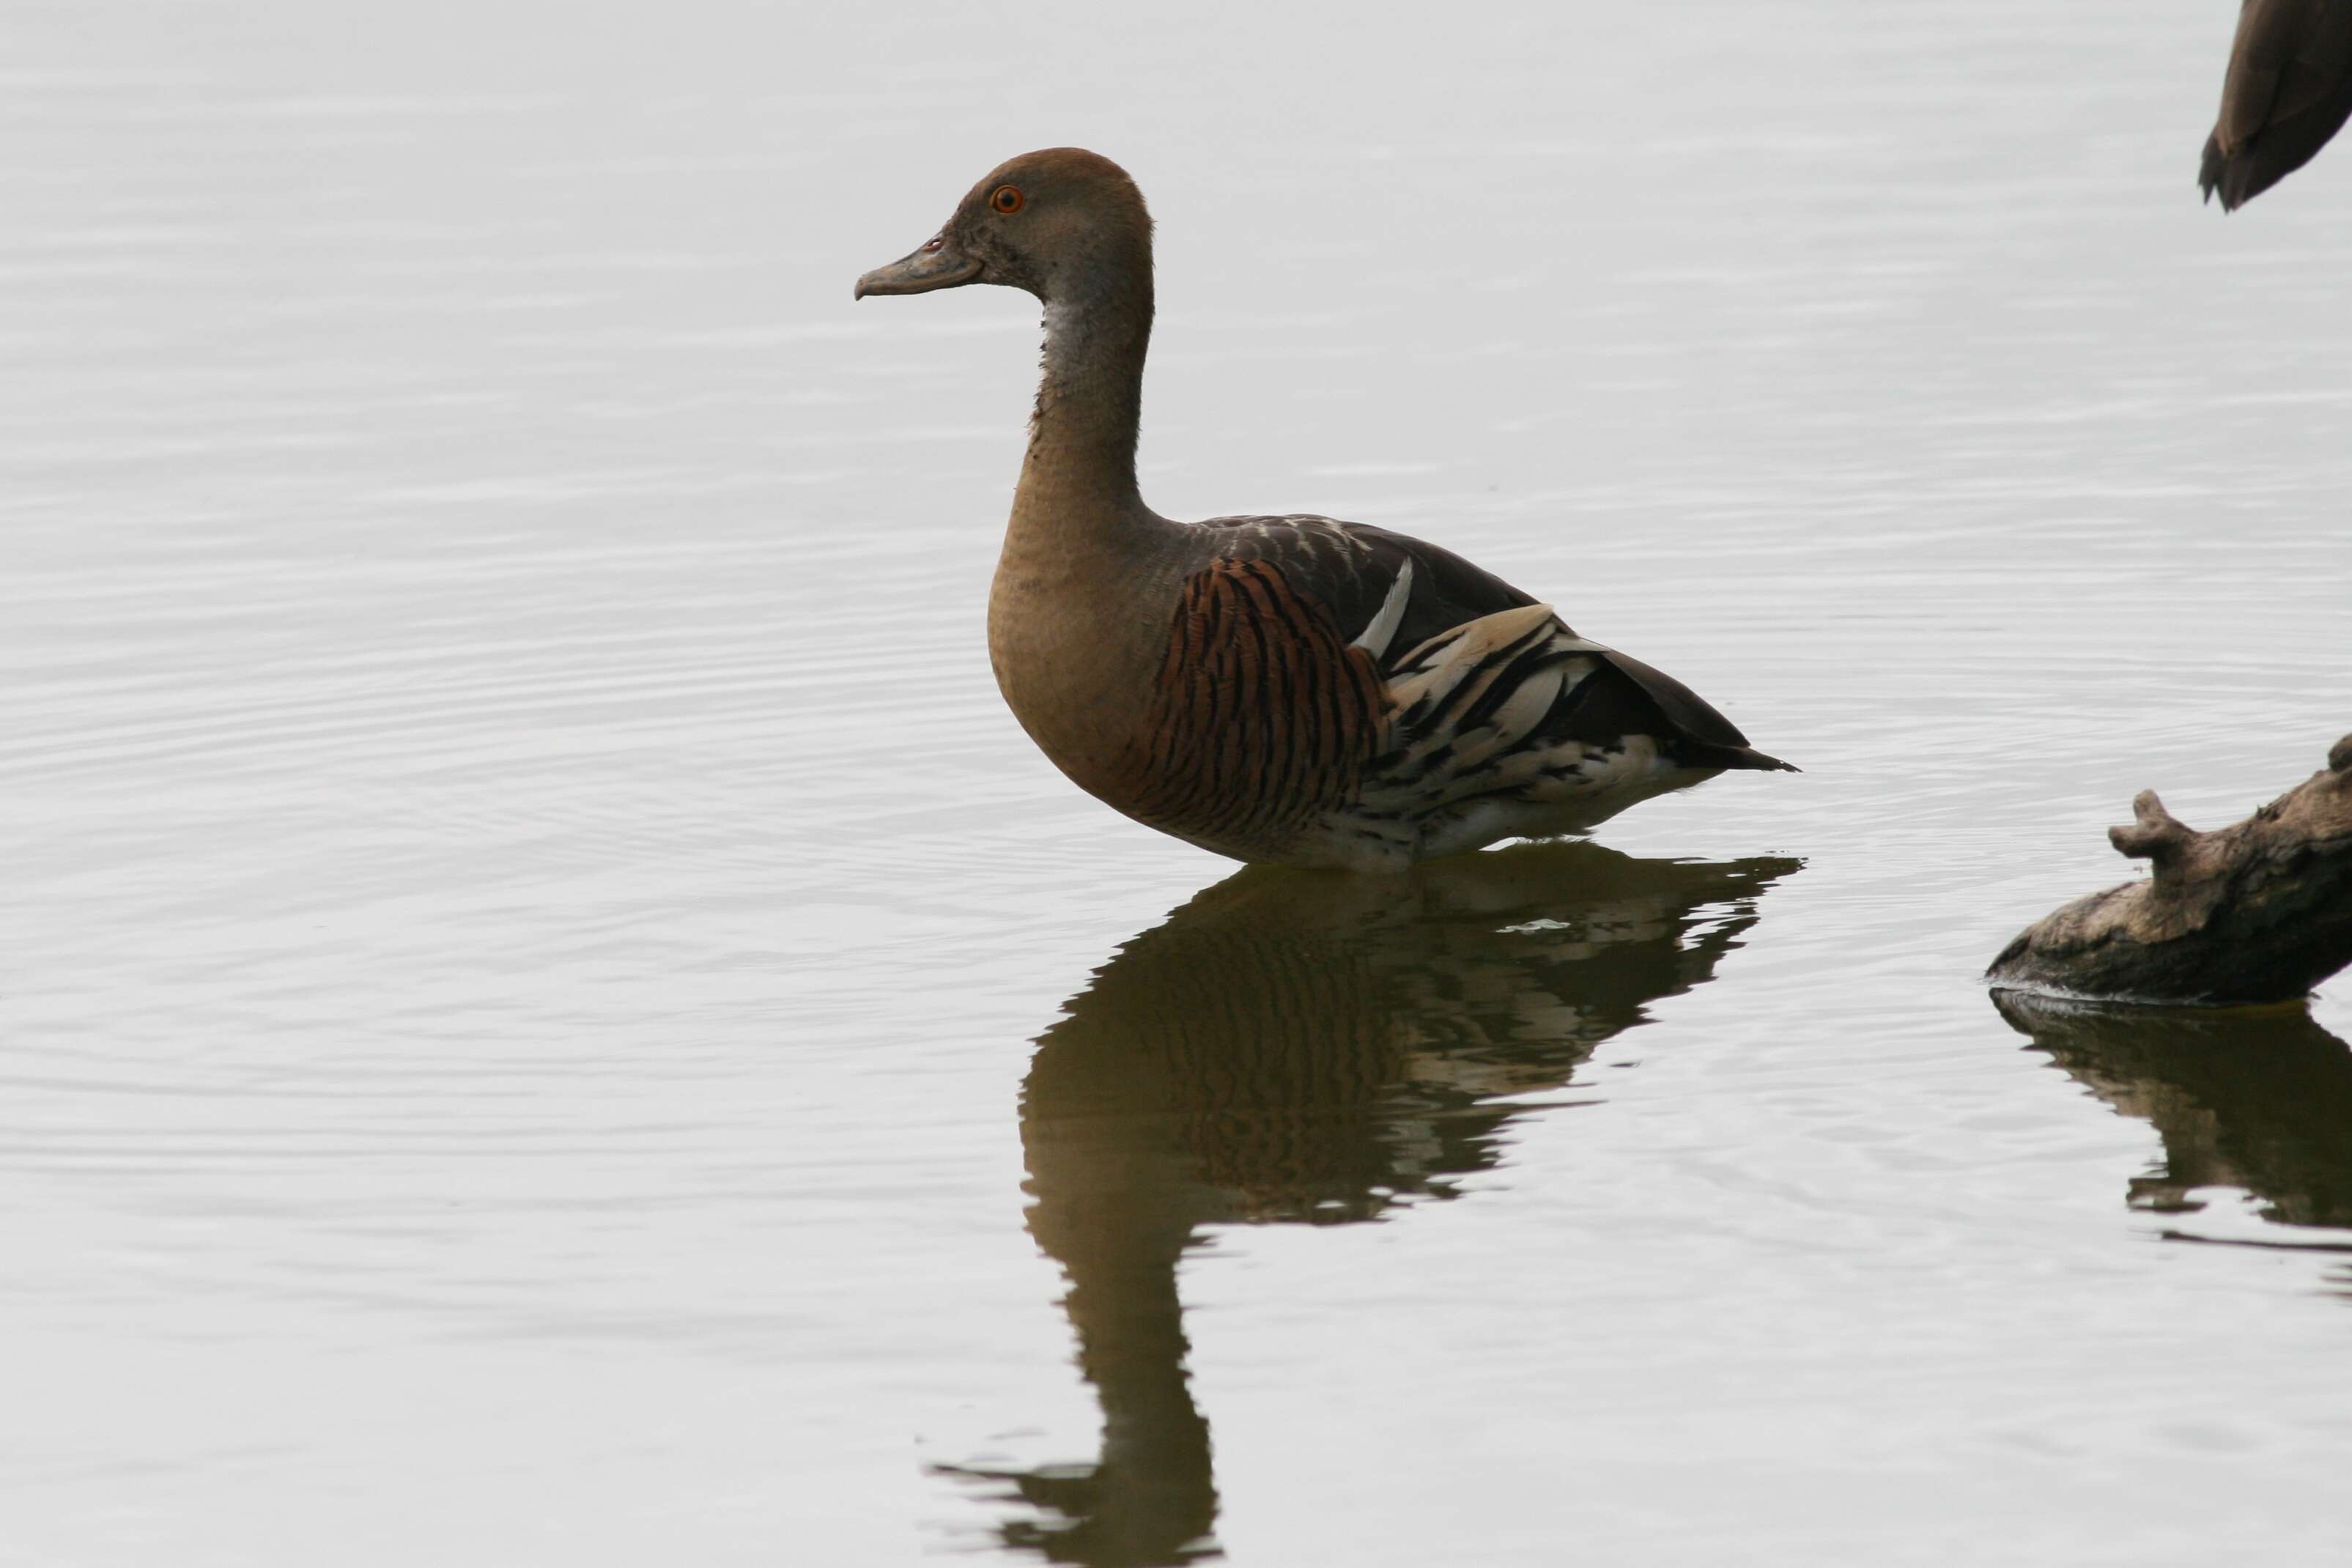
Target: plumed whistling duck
{"x": 2288, "y": 89}
{"x": 1292, "y": 689}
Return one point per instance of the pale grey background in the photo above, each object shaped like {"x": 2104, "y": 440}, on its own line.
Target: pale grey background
{"x": 524, "y": 913}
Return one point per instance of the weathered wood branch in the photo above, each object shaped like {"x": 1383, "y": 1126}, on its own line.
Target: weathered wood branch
{"x": 2259, "y": 911}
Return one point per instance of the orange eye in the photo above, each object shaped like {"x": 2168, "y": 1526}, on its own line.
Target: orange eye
{"x": 1007, "y": 199}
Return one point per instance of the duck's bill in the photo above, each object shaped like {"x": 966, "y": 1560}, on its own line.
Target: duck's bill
{"x": 937, "y": 265}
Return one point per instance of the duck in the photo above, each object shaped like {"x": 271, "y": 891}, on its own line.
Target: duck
{"x": 1287, "y": 689}
{"x": 2287, "y": 93}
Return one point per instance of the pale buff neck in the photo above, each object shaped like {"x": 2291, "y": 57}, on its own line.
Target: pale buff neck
{"x": 1077, "y": 616}
{"x": 1078, "y": 479}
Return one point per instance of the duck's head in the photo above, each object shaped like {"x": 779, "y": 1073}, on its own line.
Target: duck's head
{"x": 1063, "y": 223}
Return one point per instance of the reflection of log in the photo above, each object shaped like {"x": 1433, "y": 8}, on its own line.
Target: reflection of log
{"x": 2257, "y": 911}
{"x": 2258, "y": 1099}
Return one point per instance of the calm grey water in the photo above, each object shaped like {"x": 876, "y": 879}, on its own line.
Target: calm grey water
{"x": 551, "y": 1017}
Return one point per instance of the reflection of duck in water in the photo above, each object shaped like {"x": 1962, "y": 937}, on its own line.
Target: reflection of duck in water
{"x": 1297, "y": 1048}
{"x": 2253, "y": 1097}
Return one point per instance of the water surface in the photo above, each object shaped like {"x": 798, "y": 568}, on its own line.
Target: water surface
{"x": 551, "y": 1015}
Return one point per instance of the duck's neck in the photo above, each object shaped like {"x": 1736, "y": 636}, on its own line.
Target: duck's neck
{"x": 1077, "y": 615}
{"x": 1079, "y": 474}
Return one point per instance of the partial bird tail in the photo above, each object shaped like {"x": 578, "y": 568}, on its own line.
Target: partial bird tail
{"x": 1699, "y": 755}
{"x": 2209, "y": 171}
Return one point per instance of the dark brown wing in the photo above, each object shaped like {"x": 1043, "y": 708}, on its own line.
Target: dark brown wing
{"x": 1350, "y": 567}
{"x": 1263, "y": 716}
{"x": 2288, "y": 89}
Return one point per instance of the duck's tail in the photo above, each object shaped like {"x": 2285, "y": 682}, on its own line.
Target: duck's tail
{"x": 1699, "y": 755}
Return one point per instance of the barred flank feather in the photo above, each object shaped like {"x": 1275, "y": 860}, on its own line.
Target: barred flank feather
{"x": 1263, "y": 716}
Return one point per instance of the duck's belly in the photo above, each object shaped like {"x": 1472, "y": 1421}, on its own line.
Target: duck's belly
{"x": 1384, "y": 828}
{"x": 1388, "y": 827}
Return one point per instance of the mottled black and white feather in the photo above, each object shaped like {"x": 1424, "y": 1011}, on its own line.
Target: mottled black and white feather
{"x": 1353, "y": 569}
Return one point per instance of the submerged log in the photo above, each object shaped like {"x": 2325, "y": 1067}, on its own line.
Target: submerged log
{"x": 2257, "y": 911}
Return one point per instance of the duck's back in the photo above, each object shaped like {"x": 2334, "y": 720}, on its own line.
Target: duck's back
{"x": 1353, "y": 567}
